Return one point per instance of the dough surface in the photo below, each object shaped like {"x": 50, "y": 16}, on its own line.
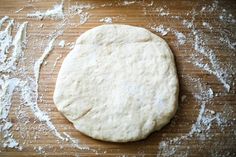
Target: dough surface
{"x": 118, "y": 84}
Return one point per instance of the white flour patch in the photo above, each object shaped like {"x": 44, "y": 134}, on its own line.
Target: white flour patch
{"x": 205, "y": 119}
{"x": 39, "y": 62}
{"x": 207, "y": 25}
{"x": 7, "y": 83}
{"x": 27, "y": 87}
{"x": 226, "y": 40}
{"x": 201, "y": 128}
{"x": 106, "y": 20}
{"x": 106, "y": 5}
{"x": 84, "y": 16}
{"x": 5, "y": 41}
{"x": 160, "y": 29}
{"x": 18, "y": 44}
{"x": 76, "y": 143}
{"x": 180, "y": 37}
{"x": 55, "y": 63}
{"x": 17, "y": 11}
{"x": 81, "y": 11}
{"x": 7, "y": 87}
{"x": 62, "y": 43}
{"x": 41, "y": 25}
{"x": 162, "y": 11}
{"x": 205, "y": 58}
{"x": 127, "y": 3}
{"x": 39, "y": 150}
{"x": 213, "y": 66}
{"x": 71, "y": 45}
{"x": 55, "y": 13}
{"x": 226, "y": 17}
{"x": 210, "y": 8}
{"x": 3, "y": 20}
{"x": 29, "y": 98}
{"x": 42, "y": 116}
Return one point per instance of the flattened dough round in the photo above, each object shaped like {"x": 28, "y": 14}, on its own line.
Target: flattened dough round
{"x": 118, "y": 84}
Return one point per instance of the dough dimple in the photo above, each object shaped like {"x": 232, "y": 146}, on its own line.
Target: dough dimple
{"x": 118, "y": 84}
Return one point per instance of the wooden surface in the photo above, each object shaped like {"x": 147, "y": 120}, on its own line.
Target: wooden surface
{"x": 218, "y": 142}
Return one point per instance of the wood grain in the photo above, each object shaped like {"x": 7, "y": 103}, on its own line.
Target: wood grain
{"x": 219, "y": 142}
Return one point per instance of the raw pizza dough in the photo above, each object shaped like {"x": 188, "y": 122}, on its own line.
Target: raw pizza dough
{"x": 118, "y": 84}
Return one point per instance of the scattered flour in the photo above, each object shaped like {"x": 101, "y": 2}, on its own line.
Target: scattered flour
{"x": 5, "y": 40}
{"x": 77, "y": 144}
{"x": 26, "y": 85}
{"x": 201, "y": 128}
{"x": 8, "y": 84}
{"x": 202, "y": 50}
{"x": 18, "y": 43}
{"x": 55, "y": 63}
{"x": 57, "y": 59}
{"x": 71, "y": 45}
{"x": 226, "y": 17}
{"x": 3, "y": 20}
{"x": 210, "y": 8}
{"x": 162, "y": 11}
{"x": 127, "y": 3}
{"x": 180, "y": 37}
{"x": 206, "y": 59}
{"x": 39, "y": 150}
{"x": 7, "y": 87}
{"x": 106, "y": 20}
{"x": 55, "y": 13}
{"x": 225, "y": 39}
{"x": 39, "y": 62}
{"x": 29, "y": 98}
{"x": 62, "y": 43}
{"x": 81, "y": 11}
{"x": 161, "y": 29}
{"x": 41, "y": 25}
{"x": 17, "y": 11}
{"x": 207, "y": 25}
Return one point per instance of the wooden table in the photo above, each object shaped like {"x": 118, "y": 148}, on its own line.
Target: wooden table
{"x": 175, "y": 139}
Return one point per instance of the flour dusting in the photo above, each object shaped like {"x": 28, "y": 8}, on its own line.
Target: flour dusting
{"x": 205, "y": 58}
{"x": 55, "y": 13}
{"x": 7, "y": 87}
{"x": 62, "y": 43}
{"x": 162, "y": 11}
{"x": 25, "y": 85}
{"x": 17, "y": 11}
{"x": 29, "y": 98}
{"x": 3, "y": 20}
{"x": 5, "y": 41}
{"x": 81, "y": 11}
{"x": 180, "y": 37}
{"x": 206, "y": 25}
{"x": 18, "y": 44}
{"x": 200, "y": 46}
{"x": 106, "y": 20}
{"x": 77, "y": 144}
{"x": 127, "y": 2}
{"x": 160, "y": 29}
{"x": 39, "y": 62}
